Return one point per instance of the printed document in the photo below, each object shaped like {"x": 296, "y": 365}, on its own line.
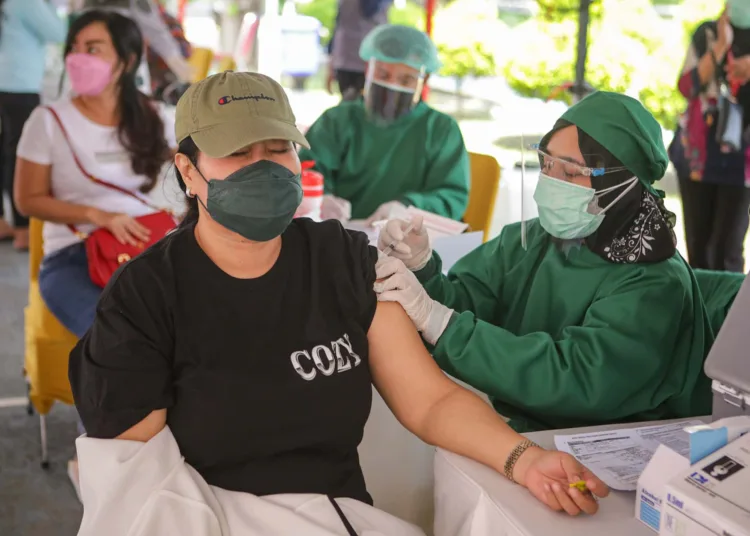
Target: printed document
{"x": 619, "y": 457}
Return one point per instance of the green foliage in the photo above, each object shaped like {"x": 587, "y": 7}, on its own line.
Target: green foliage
{"x": 410, "y": 15}
{"x": 323, "y": 10}
{"x": 558, "y": 10}
{"x": 631, "y": 49}
{"x": 466, "y": 35}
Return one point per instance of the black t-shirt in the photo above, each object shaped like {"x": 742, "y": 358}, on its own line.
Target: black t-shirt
{"x": 266, "y": 381}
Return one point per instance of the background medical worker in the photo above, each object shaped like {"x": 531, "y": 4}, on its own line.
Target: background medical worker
{"x": 599, "y": 320}
{"x": 390, "y": 149}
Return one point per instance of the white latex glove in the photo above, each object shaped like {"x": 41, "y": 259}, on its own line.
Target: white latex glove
{"x": 413, "y": 249}
{"x": 396, "y": 283}
{"x": 385, "y": 211}
{"x": 335, "y": 208}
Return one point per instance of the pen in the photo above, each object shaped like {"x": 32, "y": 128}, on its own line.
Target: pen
{"x": 390, "y": 247}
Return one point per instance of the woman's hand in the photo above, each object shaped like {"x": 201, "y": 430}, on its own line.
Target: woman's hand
{"x": 725, "y": 36}
{"x": 548, "y": 475}
{"x": 124, "y": 228}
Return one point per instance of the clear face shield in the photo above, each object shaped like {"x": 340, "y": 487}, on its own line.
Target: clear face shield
{"x": 570, "y": 207}
{"x": 392, "y": 90}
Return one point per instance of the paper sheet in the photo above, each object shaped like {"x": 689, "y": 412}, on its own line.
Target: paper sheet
{"x": 619, "y": 457}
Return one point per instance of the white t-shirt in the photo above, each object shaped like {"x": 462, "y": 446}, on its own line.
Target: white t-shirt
{"x": 100, "y": 153}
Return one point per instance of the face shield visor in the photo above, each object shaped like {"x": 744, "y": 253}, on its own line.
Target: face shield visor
{"x": 391, "y": 90}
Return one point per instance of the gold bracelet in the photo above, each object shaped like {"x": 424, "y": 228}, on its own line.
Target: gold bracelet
{"x": 513, "y": 457}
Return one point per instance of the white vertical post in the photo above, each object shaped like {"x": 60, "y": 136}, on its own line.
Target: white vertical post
{"x": 269, "y": 41}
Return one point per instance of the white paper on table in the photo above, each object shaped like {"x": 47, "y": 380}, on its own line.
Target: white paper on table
{"x": 437, "y": 226}
{"x": 360, "y": 225}
{"x": 619, "y": 457}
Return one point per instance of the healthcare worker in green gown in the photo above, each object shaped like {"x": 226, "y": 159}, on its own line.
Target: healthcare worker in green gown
{"x": 598, "y": 319}
{"x": 390, "y": 149}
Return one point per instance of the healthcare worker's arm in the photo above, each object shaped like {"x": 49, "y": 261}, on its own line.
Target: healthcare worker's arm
{"x": 475, "y": 284}
{"x": 446, "y": 186}
{"x": 610, "y": 366}
{"x": 442, "y": 413}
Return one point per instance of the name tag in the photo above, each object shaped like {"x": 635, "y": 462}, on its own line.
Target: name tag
{"x": 114, "y": 157}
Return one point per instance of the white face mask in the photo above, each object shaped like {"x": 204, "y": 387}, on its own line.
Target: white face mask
{"x": 568, "y": 211}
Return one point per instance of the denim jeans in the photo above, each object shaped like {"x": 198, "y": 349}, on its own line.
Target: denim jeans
{"x": 67, "y": 289}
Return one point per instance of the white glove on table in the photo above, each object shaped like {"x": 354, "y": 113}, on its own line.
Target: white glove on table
{"x": 385, "y": 211}
{"x": 413, "y": 249}
{"x": 396, "y": 283}
{"x": 335, "y": 208}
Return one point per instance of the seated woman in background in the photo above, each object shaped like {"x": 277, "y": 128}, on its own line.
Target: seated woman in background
{"x": 247, "y": 342}
{"x": 116, "y": 134}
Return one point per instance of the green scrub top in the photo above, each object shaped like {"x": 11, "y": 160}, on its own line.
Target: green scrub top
{"x": 562, "y": 341}
{"x": 419, "y": 160}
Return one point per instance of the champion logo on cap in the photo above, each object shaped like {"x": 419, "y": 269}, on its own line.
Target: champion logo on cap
{"x": 231, "y": 98}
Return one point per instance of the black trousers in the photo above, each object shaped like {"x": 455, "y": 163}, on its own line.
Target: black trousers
{"x": 716, "y": 220}
{"x": 351, "y": 83}
{"x": 15, "y": 109}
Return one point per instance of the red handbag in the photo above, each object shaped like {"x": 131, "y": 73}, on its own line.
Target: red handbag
{"x": 104, "y": 252}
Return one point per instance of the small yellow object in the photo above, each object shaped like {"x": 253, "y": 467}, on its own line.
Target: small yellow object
{"x": 581, "y": 485}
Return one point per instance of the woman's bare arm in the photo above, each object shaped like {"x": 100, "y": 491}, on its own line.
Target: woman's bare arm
{"x": 428, "y": 403}
{"x": 441, "y": 413}
{"x": 32, "y": 193}
{"x": 145, "y": 430}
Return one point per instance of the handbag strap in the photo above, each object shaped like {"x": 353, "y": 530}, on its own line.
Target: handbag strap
{"x": 88, "y": 175}
{"x": 349, "y": 529}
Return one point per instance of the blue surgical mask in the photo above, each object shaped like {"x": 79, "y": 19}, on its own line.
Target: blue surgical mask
{"x": 568, "y": 211}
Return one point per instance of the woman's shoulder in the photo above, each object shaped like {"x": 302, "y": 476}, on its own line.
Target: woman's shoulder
{"x": 330, "y": 234}
{"x": 153, "y": 271}
{"x": 62, "y": 104}
{"x": 330, "y": 243}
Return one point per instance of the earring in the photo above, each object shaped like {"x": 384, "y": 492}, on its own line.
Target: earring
{"x": 188, "y": 192}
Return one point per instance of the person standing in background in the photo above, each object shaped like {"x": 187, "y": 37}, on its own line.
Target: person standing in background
{"x": 162, "y": 76}
{"x": 713, "y": 178}
{"x": 26, "y": 27}
{"x": 355, "y": 19}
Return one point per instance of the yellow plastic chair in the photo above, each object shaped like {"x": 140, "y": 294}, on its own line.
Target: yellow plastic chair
{"x": 227, "y": 63}
{"x": 485, "y": 181}
{"x": 48, "y": 345}
{"x": 200, "y": 60}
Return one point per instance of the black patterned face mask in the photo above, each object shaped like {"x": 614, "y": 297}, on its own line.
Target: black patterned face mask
{"x": 638, "y": 229}
{"x": 640, "y": 232}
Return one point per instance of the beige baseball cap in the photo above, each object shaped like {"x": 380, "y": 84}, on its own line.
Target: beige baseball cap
{"x": 231, "y": 110}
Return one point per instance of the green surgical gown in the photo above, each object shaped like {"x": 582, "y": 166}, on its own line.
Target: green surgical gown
{"x": 562, "y": 341}
{"x": 419, "y": 160}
